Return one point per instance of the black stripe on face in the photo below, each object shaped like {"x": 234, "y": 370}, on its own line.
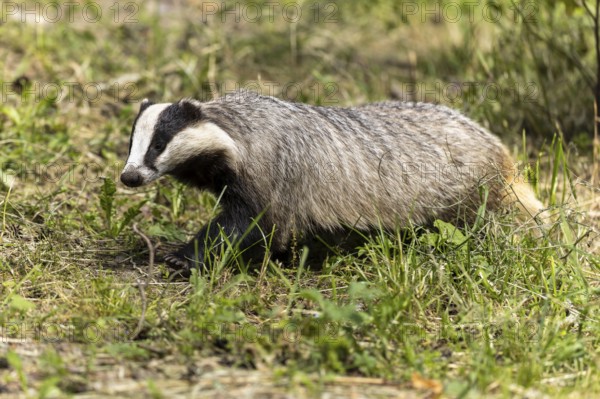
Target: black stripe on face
{"x": 145, "y": 104}
{"x": 173, "y": 119}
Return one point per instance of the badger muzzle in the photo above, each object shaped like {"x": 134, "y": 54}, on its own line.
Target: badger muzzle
{"x": 132, "y": 178}
{"x": 135, "y": 176}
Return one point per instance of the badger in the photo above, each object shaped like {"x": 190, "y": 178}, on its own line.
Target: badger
{"x": 291, "y": 168}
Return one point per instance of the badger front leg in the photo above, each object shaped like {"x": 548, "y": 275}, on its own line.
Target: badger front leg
{"x": 209, "y": 240}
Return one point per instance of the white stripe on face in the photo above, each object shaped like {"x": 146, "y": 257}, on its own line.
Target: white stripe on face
{"x": 142, "y": 136}
{"x": 193, "y": 141}
{"x": 144, "y": 129}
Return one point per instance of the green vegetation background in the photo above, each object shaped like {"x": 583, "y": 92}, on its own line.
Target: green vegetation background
{"x": 492, "y": 314}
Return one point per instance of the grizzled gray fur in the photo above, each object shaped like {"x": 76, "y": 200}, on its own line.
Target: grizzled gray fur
{"x": 308, "y": 169}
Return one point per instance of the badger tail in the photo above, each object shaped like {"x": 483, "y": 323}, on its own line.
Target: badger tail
{"x": 520, "y": 195}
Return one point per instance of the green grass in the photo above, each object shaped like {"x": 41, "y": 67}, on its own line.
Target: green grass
{"x": 486, "y": 312}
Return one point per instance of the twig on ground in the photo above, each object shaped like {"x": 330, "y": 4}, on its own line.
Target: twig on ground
{"x": 142, "y": 285}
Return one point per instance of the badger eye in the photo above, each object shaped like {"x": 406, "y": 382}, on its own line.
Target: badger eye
{"x": 159, "y": 146}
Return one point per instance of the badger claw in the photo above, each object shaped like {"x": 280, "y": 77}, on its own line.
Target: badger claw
{"x": 181, "y": 264}
{"x": 175, "y": 261}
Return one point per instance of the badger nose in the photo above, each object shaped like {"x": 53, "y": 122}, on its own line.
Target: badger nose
{"x": 131, "y": 178}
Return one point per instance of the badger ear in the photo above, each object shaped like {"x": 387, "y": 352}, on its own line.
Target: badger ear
{"x": 145, "y": 104}
{"x": 189, "y": 110}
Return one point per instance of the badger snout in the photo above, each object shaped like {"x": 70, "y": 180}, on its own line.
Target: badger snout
{"x": 132, "y": 178}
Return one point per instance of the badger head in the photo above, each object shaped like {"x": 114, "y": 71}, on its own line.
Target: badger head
{"x": 171, "y": 138}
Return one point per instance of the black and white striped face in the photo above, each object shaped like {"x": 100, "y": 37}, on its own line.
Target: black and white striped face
{"x": 165, "y": 137}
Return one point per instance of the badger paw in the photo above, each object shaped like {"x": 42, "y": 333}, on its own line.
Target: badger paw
{"x": 180, "y": 264}
{"x": 176, "y": 261}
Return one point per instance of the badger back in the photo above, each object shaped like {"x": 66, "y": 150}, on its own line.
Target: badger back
{"x": 385, "y": 163}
